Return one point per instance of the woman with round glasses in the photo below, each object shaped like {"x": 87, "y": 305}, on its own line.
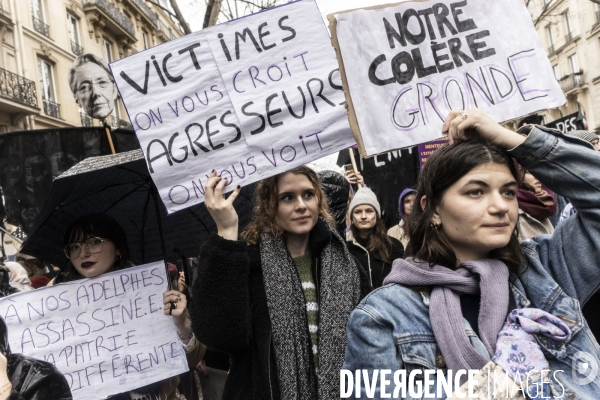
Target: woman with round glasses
{"x": 96, "y": 244}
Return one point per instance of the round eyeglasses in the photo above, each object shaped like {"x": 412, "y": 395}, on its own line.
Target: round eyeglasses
{"x": 94, "y": 245}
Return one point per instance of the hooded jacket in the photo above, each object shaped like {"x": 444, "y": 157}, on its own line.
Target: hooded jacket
{"x": 397, "y": 231}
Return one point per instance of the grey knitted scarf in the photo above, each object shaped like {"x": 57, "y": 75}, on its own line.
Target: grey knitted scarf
{"x": 339, "y": 294}
{"x": 487, "y": 277}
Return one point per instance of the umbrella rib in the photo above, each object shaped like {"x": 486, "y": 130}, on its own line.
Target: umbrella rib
{"x": 124, "y": 196}
{"x": 197, "y": 218}
{"x": 145, "y": 215}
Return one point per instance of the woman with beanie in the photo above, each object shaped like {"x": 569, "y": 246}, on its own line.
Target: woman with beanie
{"x": 405, "y": 205}
{"x": 277, "y": 301}
{"x": 474, "y": 297}
{"x": 589, "y": 137}
{"x": 367, "y": 239}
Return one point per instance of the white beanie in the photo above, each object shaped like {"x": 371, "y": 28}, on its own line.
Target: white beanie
{"x": 365, "y": 195}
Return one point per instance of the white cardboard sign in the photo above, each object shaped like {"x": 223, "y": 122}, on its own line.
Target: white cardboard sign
{"x": 408, "y": 65}
{"x": 250, "y": 98}
{"x": 107, "y": 334}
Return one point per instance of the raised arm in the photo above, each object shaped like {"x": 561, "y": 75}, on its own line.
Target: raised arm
{"x": 221, "y": 311}
{"x": 571, "y": 168}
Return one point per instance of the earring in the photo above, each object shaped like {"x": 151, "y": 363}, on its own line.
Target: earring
{"x": 436, "y": 225}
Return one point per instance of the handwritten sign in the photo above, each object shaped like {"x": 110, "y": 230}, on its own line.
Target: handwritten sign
{"x": 406, "y": 66}
{"x": 250, "y": 98}
{"x": 107, "y": 335}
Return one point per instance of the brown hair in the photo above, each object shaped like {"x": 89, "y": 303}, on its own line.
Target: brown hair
{"x": 445, "y": 166}
{"x": 378, "y": 241}
{"x": 266, "y": 204}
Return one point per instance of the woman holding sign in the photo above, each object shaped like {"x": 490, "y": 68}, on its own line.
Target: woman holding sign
{"x": 278, "y": 301}
{"x": 96, "y": 244}
{"x": 473, "y": 297}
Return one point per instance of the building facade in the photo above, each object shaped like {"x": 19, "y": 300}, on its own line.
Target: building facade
{"x": 40, "y": 39}
{"x": 570, "y": 32}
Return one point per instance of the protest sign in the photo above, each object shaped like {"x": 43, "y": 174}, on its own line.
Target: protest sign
{"x": 249, "y": 98}
{"x": 570, "y": 123}
{"x": 406, "y": 66}
{"x": 107, "y": 335}
{"x": 427, "y": 149}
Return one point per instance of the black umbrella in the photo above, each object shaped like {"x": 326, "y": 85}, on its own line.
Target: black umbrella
{"x": 120, "y": 185}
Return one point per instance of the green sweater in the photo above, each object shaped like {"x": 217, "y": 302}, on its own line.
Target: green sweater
{"x": 303, "y": 265}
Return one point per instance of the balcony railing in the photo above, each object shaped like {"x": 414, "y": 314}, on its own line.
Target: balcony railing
{"x": 117, "y": 123}
{"x": 146, "y": 11}
{"x": 572, "y": 81}
{"x": 113, "y": 12}
{"x": 51, "y": 108}
{"x": 86, "y": 120}
{"x": 568, "y": 37}
{"x": 76, "y": 48}
{"x": 17, "y": 88}
{"x": 551, "y": 49}
{"x": 41, "y": 27}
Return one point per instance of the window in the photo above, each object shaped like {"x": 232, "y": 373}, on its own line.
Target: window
{"x": 73, "y": 28}
{"x": 567, "y": 21}
{"x": 556, "y": 72}
{"x": 107, "y": 50}
{"x": 549, "y": 38}
{"x": 39, "y": 17}
{"x": 37, "y": 10}
{"x": 145, "y": 39}
{"x": 573, "y": 63}
{"x": 47, "y": 88}
{"x": 73, "y": 25}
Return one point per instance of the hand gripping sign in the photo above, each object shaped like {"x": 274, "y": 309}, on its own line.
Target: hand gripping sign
{"x": 250, "y": 98}
{"x": 107, "y": 335}
{"x": 406, "y": 66}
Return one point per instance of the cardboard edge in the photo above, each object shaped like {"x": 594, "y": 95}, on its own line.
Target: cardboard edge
{"x": 354, "y": 127}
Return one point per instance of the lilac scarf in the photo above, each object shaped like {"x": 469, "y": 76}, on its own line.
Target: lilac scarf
{"x": 488, "y": 277}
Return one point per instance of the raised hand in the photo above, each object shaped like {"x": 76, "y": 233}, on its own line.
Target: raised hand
{"x": 463, "y": 125}
{"x": 221, "y": 208}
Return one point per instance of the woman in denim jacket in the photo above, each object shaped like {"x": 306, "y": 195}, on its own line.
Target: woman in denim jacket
{"x": 444, "y": 309}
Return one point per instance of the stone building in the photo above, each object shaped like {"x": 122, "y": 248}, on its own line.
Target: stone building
{"x": 570, "y": 32}
{"x": 40, "y": 39}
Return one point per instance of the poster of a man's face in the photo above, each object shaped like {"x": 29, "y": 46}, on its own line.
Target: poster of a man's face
{"x": 93, "y": 86}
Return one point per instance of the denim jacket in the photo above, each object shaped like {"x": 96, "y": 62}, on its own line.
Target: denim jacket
{"x": 391, "y": 329}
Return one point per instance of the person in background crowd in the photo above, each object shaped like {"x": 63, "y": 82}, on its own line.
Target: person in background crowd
{"x": 405, "y": 205}
{"x": 337, "y": 191}
{"x": 277, "y": 301}
{"x": 536, "y": 206}
{"x": 367, "y": 239}
{"x": 96, "y": 244}
{"x": 445, "y": 308}
{"x": 5, "y": 287}
{"x": 27, "y": 378}
{"x": 18, "y": 276}
{"x": 589, "y": 137}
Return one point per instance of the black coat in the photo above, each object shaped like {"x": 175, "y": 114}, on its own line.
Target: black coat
{"x": 373, "y": 261}
{"x": 231, "y": 315}
{"x": 33, "y": 379}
